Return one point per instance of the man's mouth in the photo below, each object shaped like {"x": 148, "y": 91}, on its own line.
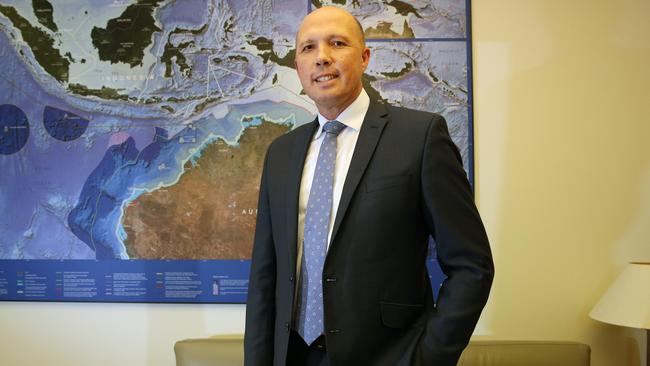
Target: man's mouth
{"x": 326, "y": 77}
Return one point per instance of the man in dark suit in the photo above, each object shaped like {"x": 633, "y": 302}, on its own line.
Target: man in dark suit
{"x": 346, "y": 206}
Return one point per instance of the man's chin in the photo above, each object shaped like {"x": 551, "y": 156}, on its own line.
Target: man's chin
{"x": 326, "y": 101}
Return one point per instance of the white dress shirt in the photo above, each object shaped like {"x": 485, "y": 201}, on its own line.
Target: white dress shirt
{"x": 352, "y": 117}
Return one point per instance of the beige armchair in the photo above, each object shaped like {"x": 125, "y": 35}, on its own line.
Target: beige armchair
{"x": 229, "y": 351}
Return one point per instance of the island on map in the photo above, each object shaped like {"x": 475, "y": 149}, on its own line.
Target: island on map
{"x": 383, "y": 30}
{"x": 43, "y": 11}
{"x": 41, "y": 44}
{"x": 125, "y": 38}
{"x": 210, "y": 212}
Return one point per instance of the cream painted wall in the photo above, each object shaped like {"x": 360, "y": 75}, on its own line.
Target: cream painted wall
{"x": 77, "y": 334}
{"x": 563, "y": 184}
{"x": 562, "y": 163}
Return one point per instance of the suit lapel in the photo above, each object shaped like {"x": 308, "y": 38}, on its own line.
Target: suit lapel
{"x": 297, "y": 161}
{"x": 371, "y": 129}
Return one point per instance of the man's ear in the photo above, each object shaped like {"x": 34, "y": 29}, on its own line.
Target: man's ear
{"x": 365, "y": 57}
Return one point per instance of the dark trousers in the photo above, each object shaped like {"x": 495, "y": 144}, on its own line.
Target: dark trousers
{"x": 300, "y": 354}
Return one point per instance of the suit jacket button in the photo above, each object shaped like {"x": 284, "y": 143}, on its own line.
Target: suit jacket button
{"x": 291, "y": 279}
{"x": 287, "y": 327}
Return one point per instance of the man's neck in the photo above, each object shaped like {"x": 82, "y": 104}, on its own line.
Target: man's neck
{"x": 331, "y": 113}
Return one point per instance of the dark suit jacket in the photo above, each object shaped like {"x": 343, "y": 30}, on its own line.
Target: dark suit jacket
{"x": 405, "y": 182}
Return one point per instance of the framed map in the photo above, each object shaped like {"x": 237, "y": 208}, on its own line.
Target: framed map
{"x": 132, "y": 133}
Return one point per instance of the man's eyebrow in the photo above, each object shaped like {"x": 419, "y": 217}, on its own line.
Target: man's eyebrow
{"x": 329, "y": 38}
{"x": 340, "y": 36}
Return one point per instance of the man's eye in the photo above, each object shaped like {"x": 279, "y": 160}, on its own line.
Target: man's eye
{"x": 338, "y": 43}
{"x": 307, "y": 48}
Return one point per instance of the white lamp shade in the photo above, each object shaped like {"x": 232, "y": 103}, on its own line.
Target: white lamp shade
{"x": 627, "y": 301}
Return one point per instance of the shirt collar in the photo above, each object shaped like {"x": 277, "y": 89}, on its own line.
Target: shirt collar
{"x": 352, "y": 116}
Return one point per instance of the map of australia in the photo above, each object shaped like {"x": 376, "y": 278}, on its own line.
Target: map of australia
{"x": 137, "y": 129}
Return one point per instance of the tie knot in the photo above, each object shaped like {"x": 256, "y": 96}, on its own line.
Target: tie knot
{"x": 333, "y": 127}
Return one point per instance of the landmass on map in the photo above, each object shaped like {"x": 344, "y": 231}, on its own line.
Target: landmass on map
{"x": 210, "y": 212}
{"x": 43, "y": 11}
{"x": 41, "y": 44}
{"x": 406, "y": 19}
{"x": 125, "y": 37}
{"x": 190, "y": 195}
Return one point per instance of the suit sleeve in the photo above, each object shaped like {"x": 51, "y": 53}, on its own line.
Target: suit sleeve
{"x": 462, "y": 248}
{"x": 260, "y": 305}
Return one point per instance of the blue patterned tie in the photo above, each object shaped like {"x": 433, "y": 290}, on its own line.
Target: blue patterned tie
{"x": 314, "y": 248}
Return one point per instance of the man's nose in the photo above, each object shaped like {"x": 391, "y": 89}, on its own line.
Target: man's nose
{"x": 323, "y": 58}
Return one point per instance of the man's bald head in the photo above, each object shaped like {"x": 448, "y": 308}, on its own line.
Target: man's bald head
{"x": 332, "y": 11}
